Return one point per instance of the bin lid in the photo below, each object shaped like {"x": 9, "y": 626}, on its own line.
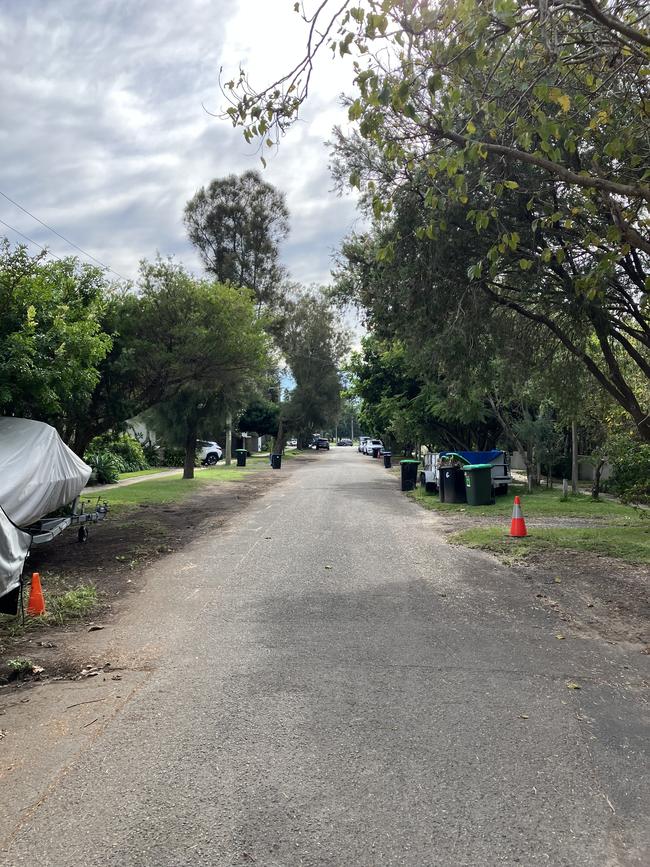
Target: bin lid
{"x": 410, "y": 461}
{"x": 471, "y": 467}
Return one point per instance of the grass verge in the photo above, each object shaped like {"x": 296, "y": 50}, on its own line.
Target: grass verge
{"x": 541, "y": 503}
{"x": 631, "y": 544}
{"x": 172, "y": 489}
{"x": 62, "y": 606}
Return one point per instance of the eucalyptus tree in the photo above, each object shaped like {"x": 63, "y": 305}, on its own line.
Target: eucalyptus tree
{"x": 237, "y": 223}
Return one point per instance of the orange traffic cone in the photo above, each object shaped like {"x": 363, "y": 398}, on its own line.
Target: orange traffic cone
{"x": 517, "y": 525}
{"x": 36, "y": 605}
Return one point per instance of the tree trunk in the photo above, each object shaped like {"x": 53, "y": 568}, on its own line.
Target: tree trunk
{"x": 598, "y": 469}
{"x": 280, "y": 438}
{"x": 228, "y": 439}
{"x": 574, "y": 457}
{"x": 190, "y": 447}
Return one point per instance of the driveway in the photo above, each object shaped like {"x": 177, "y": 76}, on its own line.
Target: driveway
{"x": 327, "y": 682}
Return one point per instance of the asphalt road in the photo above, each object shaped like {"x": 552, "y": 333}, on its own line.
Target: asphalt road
{"x": 329, "y": 683}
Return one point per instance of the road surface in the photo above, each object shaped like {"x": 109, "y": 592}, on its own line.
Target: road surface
{"x": 327, "y": 682}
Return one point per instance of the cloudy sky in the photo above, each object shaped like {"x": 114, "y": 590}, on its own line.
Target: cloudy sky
{"x": 104, "y": 134}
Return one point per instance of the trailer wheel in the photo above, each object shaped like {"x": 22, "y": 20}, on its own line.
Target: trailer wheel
{"x": 82, "y": 534}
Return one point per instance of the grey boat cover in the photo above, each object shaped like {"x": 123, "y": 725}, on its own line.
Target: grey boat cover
{"x": 38, "y": 472}
{"x": 14, "y": 547}
{"x": 38, "y": 475}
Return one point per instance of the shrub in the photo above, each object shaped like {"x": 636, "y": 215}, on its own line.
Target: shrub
{"x": 630, "y": 460}
{"x": 106, "y": 465}
{"x": 173, "y": 457}
{"x": 151, "y": 453}
{"x": 126, "y": 449}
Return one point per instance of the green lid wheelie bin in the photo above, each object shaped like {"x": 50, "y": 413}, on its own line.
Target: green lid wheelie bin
{"x": 478, "y": 484}
{"x": 409, "y": 474}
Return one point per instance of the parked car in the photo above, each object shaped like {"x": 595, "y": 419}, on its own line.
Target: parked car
{"x": 322, "y": 443}
{"x": 362, "y": 442}
{"x": 344, "y": 442}
{"x": 292, "y": 442}
{"x": 500, "y": 461}
{"x": 209, "y": 452}
{"x": 371, "y": 444}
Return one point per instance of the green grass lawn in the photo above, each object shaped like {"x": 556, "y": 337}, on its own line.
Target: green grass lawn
{"x": 631, "y": 543}
{"x": 148, "y": 472}
{"x": 171, "y": 489}
{"x": 541, "y": 503}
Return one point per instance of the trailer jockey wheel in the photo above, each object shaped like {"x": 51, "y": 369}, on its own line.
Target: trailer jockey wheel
{"x": 82, "y": 535}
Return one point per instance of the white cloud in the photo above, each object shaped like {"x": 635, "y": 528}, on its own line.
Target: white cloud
{"x": 105, "y": 136}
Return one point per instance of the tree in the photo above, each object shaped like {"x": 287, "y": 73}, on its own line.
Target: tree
{"x": 200, "y": 346}
{"x": 517, "y": 114}
{"x": 313, "y": 344}
{"x": 237, "y": 224}
{"x": 260, "y": 416}
{"x": 52, "y": 343}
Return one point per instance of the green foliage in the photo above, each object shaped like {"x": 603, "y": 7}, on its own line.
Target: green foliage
{"x": 106, "y": 465}
{"x": 175, "y": 457}
{"x": 527, "y": 127}
{"x": 260, "y": 417}
{"x": 126, "y": 448}
{"x": 630, "y": 459}
{"x": 203, "y": 346}
{"x": 312, "y": 343}
{"x": 51, "y": 338}
{"x": 237, "y": 224}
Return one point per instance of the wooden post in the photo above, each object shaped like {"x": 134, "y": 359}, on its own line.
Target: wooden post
{"x": 228, "y": 439}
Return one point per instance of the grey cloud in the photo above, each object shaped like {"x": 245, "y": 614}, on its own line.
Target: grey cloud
{"x": 105, "y": 136}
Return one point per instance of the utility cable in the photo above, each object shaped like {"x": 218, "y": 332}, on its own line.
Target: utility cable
{"x": 58, "y": 234}
{"x": 31, "y": 240}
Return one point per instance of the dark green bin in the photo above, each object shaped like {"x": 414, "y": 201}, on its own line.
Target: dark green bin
{"x": 409, "y": 474}
{"x": 478, "y": 484}
{"x": 241, "y": 457}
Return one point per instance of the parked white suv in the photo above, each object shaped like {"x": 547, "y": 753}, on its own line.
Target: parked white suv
{"x": 209, "y": 452}
{"x": 362, "y": 442}
{"x": 370, "y": 445}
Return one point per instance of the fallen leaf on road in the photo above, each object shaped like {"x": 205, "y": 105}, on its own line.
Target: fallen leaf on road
{"x": 557, "y": 580}
{"x": 3, "y": 733}
{"x": 328, "y": 567}
{"x": 571, "y": 684}
{"x": 560, "y": 636}
{"x": 95, "y": 627}
{"x": 523, "y": 716}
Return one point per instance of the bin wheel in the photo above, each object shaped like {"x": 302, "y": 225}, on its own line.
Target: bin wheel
{"x": 502, "y": 489}
{"x": 82, "y": 534}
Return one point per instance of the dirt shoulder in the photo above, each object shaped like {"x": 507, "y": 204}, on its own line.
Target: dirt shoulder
{"x": 113, "y": 562}
{"x": 591, "y": 595}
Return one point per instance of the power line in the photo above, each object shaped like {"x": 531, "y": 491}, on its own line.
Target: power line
{"x": 63, "y": 238}
{"x": 31, "y": 240}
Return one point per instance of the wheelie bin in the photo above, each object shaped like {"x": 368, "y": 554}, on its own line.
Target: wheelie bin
{"x": 387, "y": 460}
{"x": 276, "y": 462}
{"x": 241, "y": 457}
{"x": 409, "y": 474}
{"x": 451, "y": 485}
{"x": 478, "y": 484}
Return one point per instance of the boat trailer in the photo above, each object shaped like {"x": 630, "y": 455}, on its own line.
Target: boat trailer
{"x": 49, "y": 528}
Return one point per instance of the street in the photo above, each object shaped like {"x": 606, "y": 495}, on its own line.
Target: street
{"x": 327, "y": 682}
